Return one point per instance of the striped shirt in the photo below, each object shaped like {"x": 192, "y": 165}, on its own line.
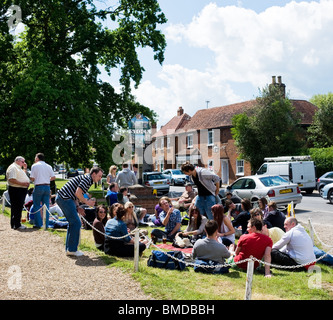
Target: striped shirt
{"x": 68, "y": 190}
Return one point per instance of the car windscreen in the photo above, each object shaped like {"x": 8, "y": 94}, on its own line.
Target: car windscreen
{"x": 176, "y": 172}
{"x": 273, "y": 181}
{"x": 155, "y": 177}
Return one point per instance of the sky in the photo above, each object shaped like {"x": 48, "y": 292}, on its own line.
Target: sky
{"x": 225, "y": 51}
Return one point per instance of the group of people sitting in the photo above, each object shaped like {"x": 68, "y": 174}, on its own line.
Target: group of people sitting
{"x": 265, "y": 233}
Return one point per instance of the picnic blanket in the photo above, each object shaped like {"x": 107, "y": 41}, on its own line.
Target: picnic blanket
{"x": 170, "y": 247}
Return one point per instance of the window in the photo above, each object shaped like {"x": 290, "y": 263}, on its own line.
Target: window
{"x": 210, "y": 137}
{"x": 162, "y": 143}
{"x": 168, "y": 142}
{"x": 240, "y": 167}
{"x": 190, "y": 141}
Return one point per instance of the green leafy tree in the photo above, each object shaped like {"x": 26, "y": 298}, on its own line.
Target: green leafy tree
{"x": 321, "y": 131}
{"x": 269, "y": 129}
{"x": 51, "y": 99}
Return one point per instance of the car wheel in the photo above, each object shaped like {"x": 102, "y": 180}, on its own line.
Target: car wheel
{"x": 330, "y": 196}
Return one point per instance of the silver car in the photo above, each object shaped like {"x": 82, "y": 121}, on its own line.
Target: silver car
{"x": 326, "y": 192}
{"x": 157, "y": 180}
{"x": 176, "y": 176}
{"x": 274, "y": 188}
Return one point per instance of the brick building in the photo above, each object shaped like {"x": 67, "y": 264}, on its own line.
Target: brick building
{"x": 205, "y": 139}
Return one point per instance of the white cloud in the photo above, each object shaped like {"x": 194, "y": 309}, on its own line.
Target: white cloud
{"x": 294, "y": 41}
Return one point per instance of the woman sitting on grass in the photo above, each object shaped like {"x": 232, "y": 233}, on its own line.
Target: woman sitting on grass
{"x": 116, "y": 227}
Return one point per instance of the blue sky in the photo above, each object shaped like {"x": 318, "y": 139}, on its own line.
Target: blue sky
{"x": 224, "y": 51}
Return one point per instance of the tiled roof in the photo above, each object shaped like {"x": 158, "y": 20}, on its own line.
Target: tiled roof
{"x": 221, "y": 116}
{"x": 176, "y": 123}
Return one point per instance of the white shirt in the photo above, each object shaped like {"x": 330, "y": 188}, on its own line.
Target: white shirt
{"x": 297, "y": 244}
{"x": 41, "y": 172}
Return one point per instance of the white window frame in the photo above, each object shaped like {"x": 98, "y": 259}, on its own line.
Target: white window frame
{"x": 210, "y": 137}
{"x": 239, "y": 167}
{"x": 189, "y": 141}
{"x": 162, "y": 143}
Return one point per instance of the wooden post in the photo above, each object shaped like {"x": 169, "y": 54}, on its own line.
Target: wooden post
{"x": 3, "y": 203}
{"x": 44, "y": 217}
{"x": 249, "y": 277}
{"x": 311, "y": 230}
{"x": 136, "y": 250}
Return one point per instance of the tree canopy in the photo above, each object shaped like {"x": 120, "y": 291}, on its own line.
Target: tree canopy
{"x": 51, "y": 99}
{"x": 270, "y": 129}
{"x": 321, "y": 131}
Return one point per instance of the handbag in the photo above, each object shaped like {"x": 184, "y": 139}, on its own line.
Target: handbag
{"x": 158, "y": 259}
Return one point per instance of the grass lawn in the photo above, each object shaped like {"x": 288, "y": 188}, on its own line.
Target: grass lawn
{"x": 188, "y": 285}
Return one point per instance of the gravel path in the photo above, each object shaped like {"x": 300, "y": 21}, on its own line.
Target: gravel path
{"x": 47, "y": 273}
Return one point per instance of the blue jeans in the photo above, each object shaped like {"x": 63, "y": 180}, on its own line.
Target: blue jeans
{"x": 204, "y": 204}
{"x": 68, "y": 207}
{"x": 41, "y": 196}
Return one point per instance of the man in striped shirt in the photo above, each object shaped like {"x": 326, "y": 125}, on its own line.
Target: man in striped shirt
{"x": 67, "y": 198}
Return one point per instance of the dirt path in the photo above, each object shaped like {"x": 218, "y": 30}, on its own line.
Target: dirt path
{"x": 33, "y": 265}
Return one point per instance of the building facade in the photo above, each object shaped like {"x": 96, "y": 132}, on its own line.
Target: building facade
{"x": 206, "y": 140}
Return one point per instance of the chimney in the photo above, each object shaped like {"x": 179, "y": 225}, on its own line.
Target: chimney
{"x": 279, "y": 84}
{"x": 180, "y": 111}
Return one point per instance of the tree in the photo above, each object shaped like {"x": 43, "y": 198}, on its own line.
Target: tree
{"x": 51, "y": 99}
{"x": 321, "y": 131}
{"x": 269, "y": 129}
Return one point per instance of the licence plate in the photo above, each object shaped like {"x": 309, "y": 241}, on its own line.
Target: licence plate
{"x": 159, "y": 182}
{"x": 286, "y": 191}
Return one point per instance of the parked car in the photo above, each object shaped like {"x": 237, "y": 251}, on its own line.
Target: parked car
{"x": 326, "y": 192}
{"x": 275, "y": 188}
{"x": 157, "y": 180}
{"x": 176, "y": 176}
{"x": 62, "y": 170}
{"x": 71, "y": 173}
{"x": 324, "y": 180}
{"x": 80, "y": 171}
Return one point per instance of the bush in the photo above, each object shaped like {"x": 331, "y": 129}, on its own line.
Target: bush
{"x": 323, "y": 158}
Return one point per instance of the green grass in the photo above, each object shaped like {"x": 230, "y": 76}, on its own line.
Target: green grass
{"x": 178, "y": 285}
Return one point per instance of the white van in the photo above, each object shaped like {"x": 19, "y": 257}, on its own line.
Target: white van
{"x": 297, "y": 169}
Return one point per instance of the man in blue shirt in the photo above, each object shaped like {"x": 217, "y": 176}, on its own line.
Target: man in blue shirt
{"x": 170, "y": 218}
{"x": 111, "y": 195}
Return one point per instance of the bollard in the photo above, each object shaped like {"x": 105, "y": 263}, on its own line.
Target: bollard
{"x": 249, "y": 277}
{"x": 136, "y": 251}
{"x": 44, "y": 217}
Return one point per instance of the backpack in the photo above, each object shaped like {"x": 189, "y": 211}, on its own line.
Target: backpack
{"x": 204, "y": 266}
{"x": 158, "y": 259}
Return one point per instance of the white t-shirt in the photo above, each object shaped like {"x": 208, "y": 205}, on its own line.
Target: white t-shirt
{"x": 41, "y": 172}
{"x": 297, "y": 244}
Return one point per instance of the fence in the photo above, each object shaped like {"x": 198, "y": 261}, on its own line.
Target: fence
{"x": 250, "y": 261}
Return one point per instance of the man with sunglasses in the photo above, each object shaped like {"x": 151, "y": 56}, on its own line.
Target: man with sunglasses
{"x": 18, "y": 183}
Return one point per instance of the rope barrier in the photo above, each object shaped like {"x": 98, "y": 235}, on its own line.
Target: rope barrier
{"x": 208, "y": 266}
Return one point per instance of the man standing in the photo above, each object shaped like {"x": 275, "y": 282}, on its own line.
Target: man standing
{"x": 18, "y": 183}
{"x": 295, "y": 247}
{"x": 125, "y": 177}
{"x": 67, "y": 198}
{"x": 41, "y": 175}
{"x": 208, "y": 184}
